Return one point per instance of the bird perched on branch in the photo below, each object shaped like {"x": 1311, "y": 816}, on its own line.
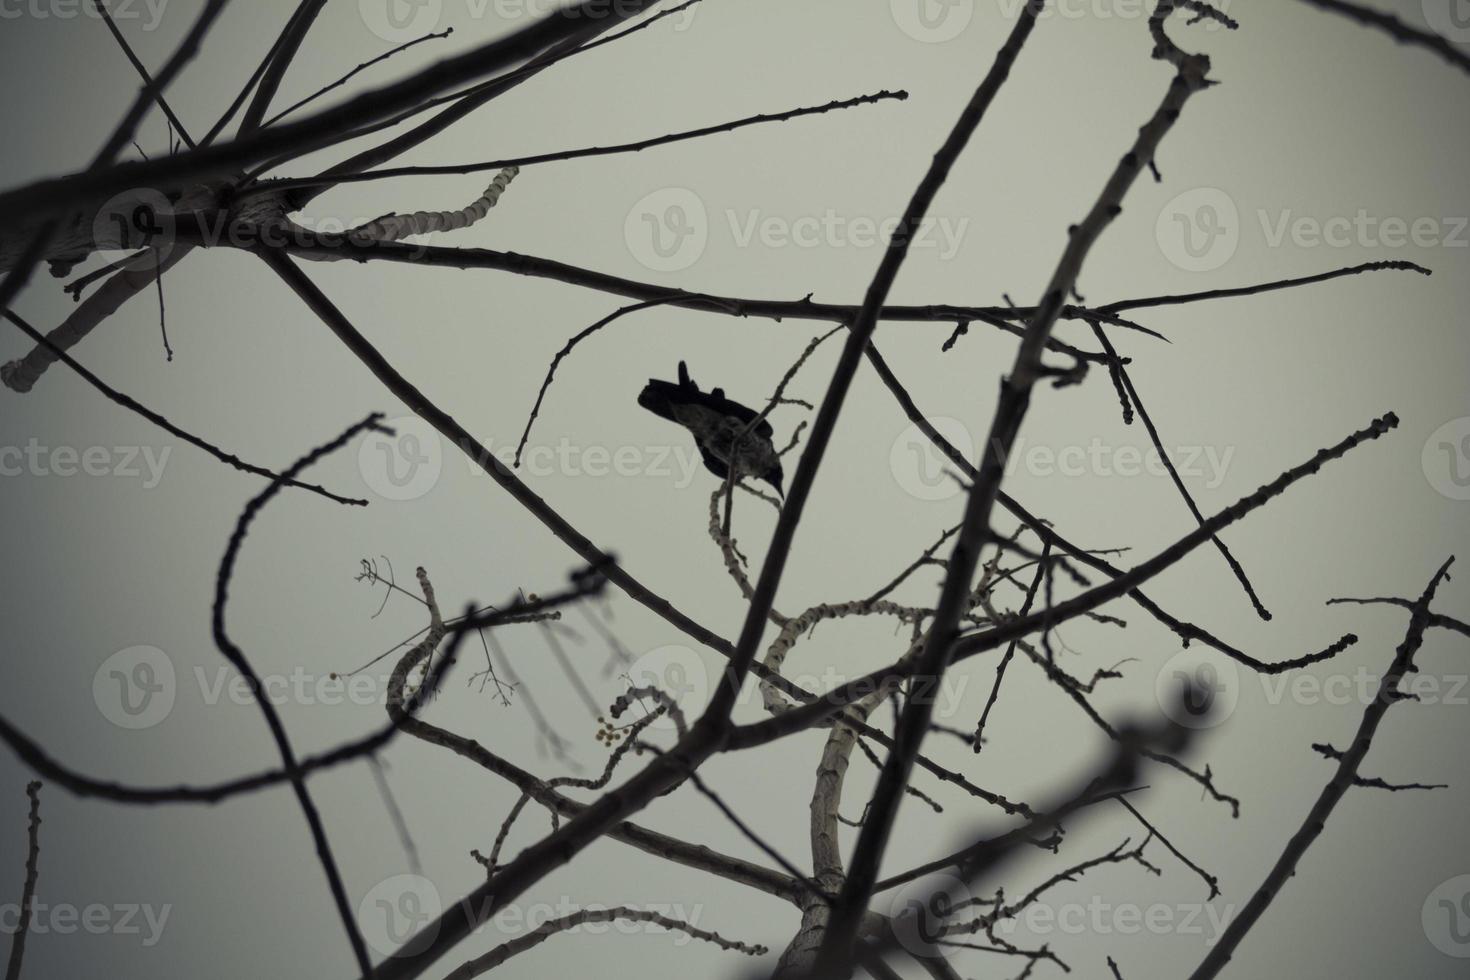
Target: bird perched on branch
{"x": 729, "y": 435}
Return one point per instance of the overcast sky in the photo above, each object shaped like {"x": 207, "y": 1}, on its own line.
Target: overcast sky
{"x": 1325, "y": 145}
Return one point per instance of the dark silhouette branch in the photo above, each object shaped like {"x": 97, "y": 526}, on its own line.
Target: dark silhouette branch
{"x": 331, "y": 86}
{"x": 975, "y": 531}
{"x": 31, "y": 753}
{"x": 1398, "y": 30}
{"x": 148, "y": 82}
{"x": 131, "y": 405}
{"x": 489, "y": 961}
{"x": 1332, "y": 793}
{"x": 48, "y": 197}
{"x": 972, "y": 644}
{"x": 1153, "y": 433}
{"x": 238, "y": 660}
{"x": 296, "y": 183}
{"x": 1437, "y": 620}
{"x": 28, "y": 888}
{"x": 283, "y": 53}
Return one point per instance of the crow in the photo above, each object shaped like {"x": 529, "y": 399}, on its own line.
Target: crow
{"x": 721, "y": 428}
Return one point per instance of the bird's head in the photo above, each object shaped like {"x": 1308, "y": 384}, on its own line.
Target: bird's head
{"x": 773, "y": 476}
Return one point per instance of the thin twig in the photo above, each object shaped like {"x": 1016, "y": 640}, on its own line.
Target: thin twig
{"x": 1332, "y": 794}
{"x": 148, "y": 82}
{"x": 354, "y": 72}
{"x": 1398, "y": 30}
{"x": 635, "y": 146}
{"x": 28, "y": 889}
{"x": 128, "y": 403}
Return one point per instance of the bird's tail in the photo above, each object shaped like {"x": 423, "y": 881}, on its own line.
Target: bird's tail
{"x": 659, "y": 396}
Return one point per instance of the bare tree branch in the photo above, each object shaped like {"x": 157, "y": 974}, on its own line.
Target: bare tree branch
{"x": 28, "y": 889}
{"x": 1397, "y": 29}
{"x": 1332, "y": 793}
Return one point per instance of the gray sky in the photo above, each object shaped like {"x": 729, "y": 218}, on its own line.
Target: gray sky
{"x": 1325, "y": 145}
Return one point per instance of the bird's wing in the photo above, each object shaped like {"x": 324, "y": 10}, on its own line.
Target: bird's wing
{"x": 733, "y": 409}
{"x": 713, "y": 463}
{"x": 661, "y": 397}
